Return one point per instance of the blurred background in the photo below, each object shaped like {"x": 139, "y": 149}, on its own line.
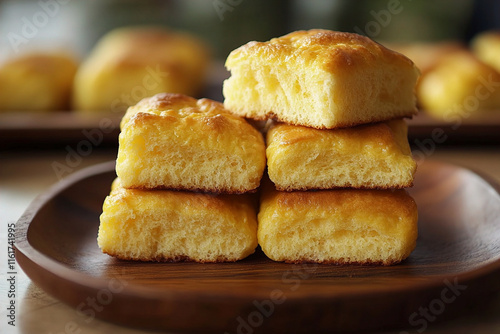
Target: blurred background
{"x": 227, "y": 24}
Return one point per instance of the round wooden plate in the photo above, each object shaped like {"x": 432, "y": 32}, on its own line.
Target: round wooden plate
{"x": 457, "y": 261}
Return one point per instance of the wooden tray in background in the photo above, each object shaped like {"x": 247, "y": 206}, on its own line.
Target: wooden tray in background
{"x": 31, "y": 129}
{"x": 477, "y": 129}
{"x": 456, "y": 262}
{"x": 35, "y": 129}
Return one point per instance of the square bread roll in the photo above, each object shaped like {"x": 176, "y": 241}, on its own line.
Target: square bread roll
{"x": 172, "y": 141}
{"x": 337, "y": 226}
{"x": 130, "y": 63}
{"x": 37, "y": 82}
{"x": 163, "y": 225}
{"x": 366, "y": 156}
{"x": 486, "y": 46}
{"x": 458, "y": 86}
{"x": 321, "y": 79}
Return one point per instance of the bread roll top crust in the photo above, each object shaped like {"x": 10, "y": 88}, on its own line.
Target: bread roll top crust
{"x": 332, "y": 49}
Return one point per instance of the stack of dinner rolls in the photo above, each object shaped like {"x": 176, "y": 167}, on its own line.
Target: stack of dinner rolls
{"x": 184, "y": 167}
{"x": 338, "y": 157}
{"x": 338, "y": 160}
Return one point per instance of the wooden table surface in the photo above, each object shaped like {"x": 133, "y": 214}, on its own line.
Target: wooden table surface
{"x": 26, "y": 174}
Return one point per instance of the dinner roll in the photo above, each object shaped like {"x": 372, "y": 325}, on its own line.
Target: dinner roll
{"x": 163, "y": 225}
{"x": 459, "y": 85}
{"x": 173, "y": 141}
{"x": 366, "y": 156}
{"x": 486, "y": 46}
{"x": 320, "y": 79}
{"x": 37, "y": 82}
{"x": 337, "y": 226}
{"x": 129, "y": 64}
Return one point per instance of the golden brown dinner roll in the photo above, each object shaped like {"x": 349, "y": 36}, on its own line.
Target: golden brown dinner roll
{"x": 37, "y": 82}
{"x": 129, "y": 64}
{"x": 320, "y": 79}
{"x": 163, "y": 225}
{"x": 366, "y": 156}
{"x": 337, "y": 226}
{"x": 486, "y": 46}
{"x": 173, "y": 141}
{"x": 460, "y": 84}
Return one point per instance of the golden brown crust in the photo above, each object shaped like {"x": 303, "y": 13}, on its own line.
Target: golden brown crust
{"x": 205, "y": 201}
{"x": 338, "y": 49}
{"x": 270, "y": 115}
{"x": 175, "y": 259}
{"x": 343, "y": 262}
{"x": 380, "y": 133}
{"x": 306, "y": 188}
{"x": 180, "y": 106}
{"x": 384, "y": 202}
{"x": 201, "y": 189}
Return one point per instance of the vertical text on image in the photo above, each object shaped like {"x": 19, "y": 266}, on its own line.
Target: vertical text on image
{"x": 11, "y": 275}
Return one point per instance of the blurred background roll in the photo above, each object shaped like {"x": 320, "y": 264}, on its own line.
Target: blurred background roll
{"x": 129, "y": 64}
{"x": 37, "y": 82}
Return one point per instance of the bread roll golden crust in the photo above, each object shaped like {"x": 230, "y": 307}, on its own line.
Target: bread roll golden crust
{"x": 486, "y": 46}
{"x": 374, "y": 156}
{"x": 162, "y": 225}
{"x": 320, "y": 79}
{"x": 459, "y": 85}
{"x": 172, "y": 141}
{"x": 337, "y": 226}
{"x": 129, "y": 64}
{"x": 37, "y": 82}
